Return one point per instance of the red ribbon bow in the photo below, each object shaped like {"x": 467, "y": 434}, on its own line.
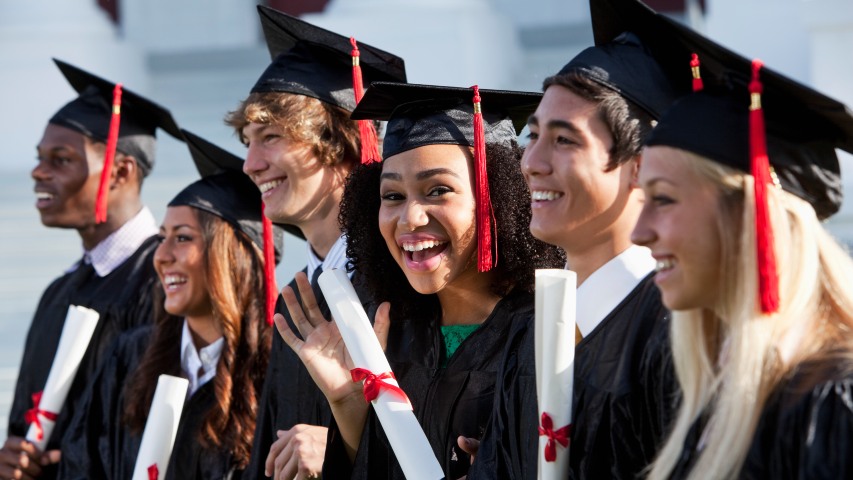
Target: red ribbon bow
{"x": 32, "y": 416}
{"x": 153, "y": 472}
{"x": 560, "y": 436}
{"x": 373, "y": 384}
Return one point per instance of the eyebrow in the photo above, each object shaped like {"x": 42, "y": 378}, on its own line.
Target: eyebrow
{"x": 553, "y": 124}
{"x": 651, "y": 182}
{"x": 420, "y": 175}
{"x": 177, "y": 227}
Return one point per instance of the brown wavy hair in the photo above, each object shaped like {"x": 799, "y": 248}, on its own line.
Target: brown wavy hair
{"x": 235, "y": 280}
{"x": 519, "y": 253}
{"x": 304, "y": 120}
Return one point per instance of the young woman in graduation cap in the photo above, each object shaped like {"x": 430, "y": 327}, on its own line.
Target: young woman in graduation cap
{"x": 440, "y": 230}
{"x": 210, "y": 327}
{"x": 762, "y": 296}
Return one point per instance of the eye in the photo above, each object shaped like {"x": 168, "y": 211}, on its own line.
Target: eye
{"x": 60, "y": 160}
{"x": 160, "y": 238}
{"x": 661, "y": 200}
{"x": 392, "y": 196}
{"x": 183, "y": 238}
{"x": 532, "y": 136}
{"x": 561, "y": 140}
{"x": 438, "y": 191}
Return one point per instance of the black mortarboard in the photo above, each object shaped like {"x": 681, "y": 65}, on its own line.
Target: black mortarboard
{"x": 225, "y": 191}
{"x": 420, "y": 115}
{"x": 91, "y": 112}
{"x": 311, "y": 61}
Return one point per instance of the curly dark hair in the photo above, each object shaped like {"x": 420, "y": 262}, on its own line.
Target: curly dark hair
{"x": 234, "y": 271}
{"x": 519, "y": 253}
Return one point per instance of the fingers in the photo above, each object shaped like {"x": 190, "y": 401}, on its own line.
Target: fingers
{"x": 287, "y": 334}
{"x": 309, "y": 301}
{"x": 297, "y": 314}
{"x": 275, "y": 449}
{"x": 50, "y": 457}
{"x": 468, "y": 445}
{"x": 382, "y": 323}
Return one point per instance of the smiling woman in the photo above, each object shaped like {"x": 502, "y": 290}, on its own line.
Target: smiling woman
{"x": 210, "y": 327}
{"x": 412, "y": 224}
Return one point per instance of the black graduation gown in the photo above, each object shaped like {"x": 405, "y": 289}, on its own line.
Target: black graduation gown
{"x": 624, "y": 394}
{"x": 448, "y": 402}
{"x": 805, "y": 430}
{"x": 124, "y": 301}
{"x": 98, "y": 445}
{"x": 290, "y": 396}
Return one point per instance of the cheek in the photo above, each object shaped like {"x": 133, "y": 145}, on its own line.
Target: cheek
{"x": 388, "y": 227}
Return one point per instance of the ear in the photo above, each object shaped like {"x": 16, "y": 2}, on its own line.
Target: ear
{"x": 125, "y": 170}
{"x": 634, "y": 164}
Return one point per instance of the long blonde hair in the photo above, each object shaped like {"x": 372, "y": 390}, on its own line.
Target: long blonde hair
{"x": 729, "y": 360}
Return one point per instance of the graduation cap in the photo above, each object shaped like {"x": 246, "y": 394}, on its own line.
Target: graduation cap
{"x": 225, "y": 191}
{"x": 122, "y": 119}
{"x": 755, "y": 120}
{"x": 309, "y": 60}
{"x": 420, "y": 115}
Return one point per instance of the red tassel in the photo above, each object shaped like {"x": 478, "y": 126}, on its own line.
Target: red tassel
{"x": 697, "y": 74}
{"x": 768, "y": 277}
{"x": 269, "y": 267}
{"x": 481, "y": 179}
{"x": 109, "y": 158}
{"x": 366, "y": 129}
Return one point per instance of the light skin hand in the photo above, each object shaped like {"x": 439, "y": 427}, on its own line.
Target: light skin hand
{"x": 297, "y": 453}
{"x": 325, "y": 356}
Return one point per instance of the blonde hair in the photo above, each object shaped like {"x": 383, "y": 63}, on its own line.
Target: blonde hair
{"x": 729, "y": 360}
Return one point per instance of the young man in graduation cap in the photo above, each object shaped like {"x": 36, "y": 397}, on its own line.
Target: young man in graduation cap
{"x": 92, "y": 159}
{"x": 581, "y": 166}
{"x": 301, "y": 147}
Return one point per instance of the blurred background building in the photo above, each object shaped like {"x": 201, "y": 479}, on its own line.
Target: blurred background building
{"x": 199, "y": 59}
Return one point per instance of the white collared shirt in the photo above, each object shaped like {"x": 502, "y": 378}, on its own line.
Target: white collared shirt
{"x": 204, "y": 360}
{"x": 112, "y": 251}
{"x": 605, "y": 289}
{"x": 336, "y": 258}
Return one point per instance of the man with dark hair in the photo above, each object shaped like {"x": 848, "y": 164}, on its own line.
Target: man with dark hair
{"x": 301, "y": 147}
{"x": 581, "y": 166}
{"x": 115, "y": 277}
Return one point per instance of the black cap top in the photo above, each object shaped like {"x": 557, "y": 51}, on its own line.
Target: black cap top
{"x": 91, "y": 112}
{"x": 311, "y": 61}
{"x": 625, "y": 66}
{"x": 420, "y": 115}
{"x": 225, "y": 191}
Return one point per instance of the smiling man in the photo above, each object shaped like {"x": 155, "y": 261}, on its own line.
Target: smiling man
{"x": 581, "y": 166}
{"x": 115, "y": 277}
{"x": 301, "y": 145}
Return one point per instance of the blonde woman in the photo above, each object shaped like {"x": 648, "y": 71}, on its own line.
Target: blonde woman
{"x": 767, "y": 389}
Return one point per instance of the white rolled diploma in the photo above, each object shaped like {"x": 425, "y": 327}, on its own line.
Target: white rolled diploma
{"x": 554, "y": 337}
{"x": 158, "y": 438}
{"x": 80, "y": 323}
{"x": 404, "y": 433}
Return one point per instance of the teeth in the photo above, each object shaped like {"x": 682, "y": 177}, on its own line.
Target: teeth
{"x": 664, "y": 264}
{"x": 540, "y": 195}
{"x": 418, "y": 246}
{"x": 43, "y": 196}
{"x": 174, "y": 280}
{"x": 265, "y": 187}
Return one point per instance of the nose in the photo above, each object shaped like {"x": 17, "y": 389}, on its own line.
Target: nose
{"x": 414, "y": 215}
{"x": 536, "y": 160}
{"x": 255, "y": 162}
{"x": 40, "y": 171}
{"x": 163, "y": 254}
{"x": 643, "y": 233}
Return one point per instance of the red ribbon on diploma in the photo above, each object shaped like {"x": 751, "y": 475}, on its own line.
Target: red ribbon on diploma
{"x": 32, "y": 415}
{"x": 153, "y": 472}
{"x": 560, "y": 436}
{"x": 373, "y": 384}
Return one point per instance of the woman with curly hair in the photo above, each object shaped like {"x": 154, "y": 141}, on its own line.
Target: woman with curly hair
{"x": 418, "y": 230}
{"x": 762, "y": 296}
{"x": 210, "y": 327}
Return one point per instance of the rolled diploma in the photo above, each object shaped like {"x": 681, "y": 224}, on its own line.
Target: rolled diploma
{"x": 554, "y": 338}
{"x": 405, "y": 434}
{"x": 158, "y": 438}
{"x": 80, "y": 323}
